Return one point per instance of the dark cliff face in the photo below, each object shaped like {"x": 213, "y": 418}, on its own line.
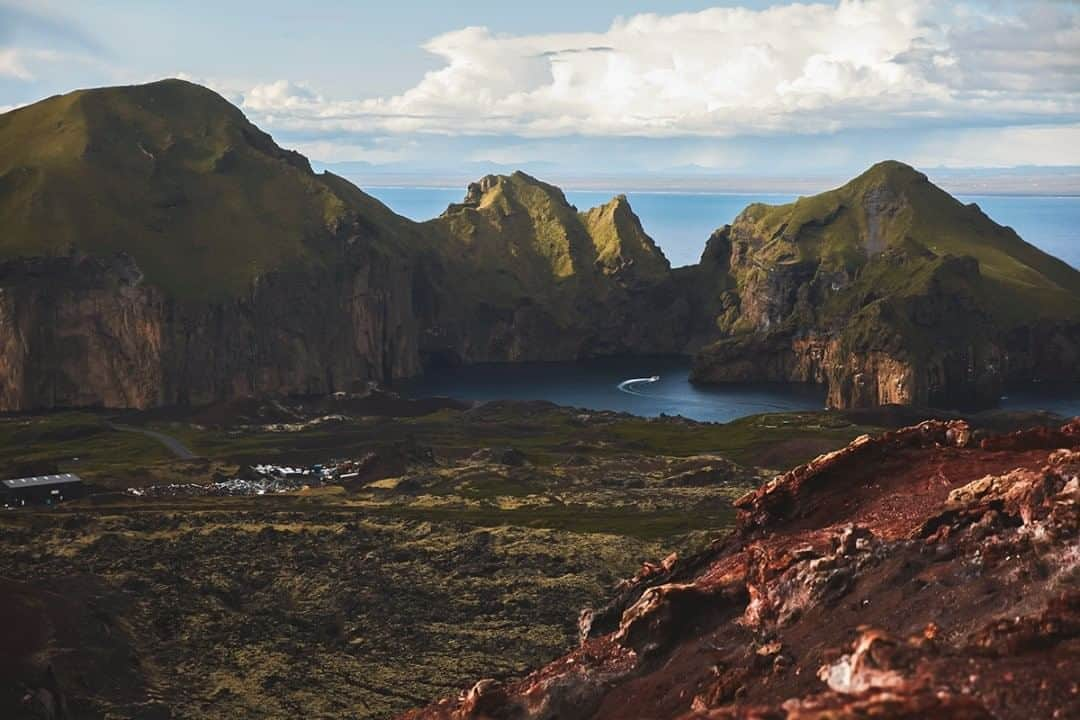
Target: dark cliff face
{"x": 85, "y": 337}
{"x": 78, "y": 332}
{"x": 158, "y": 248}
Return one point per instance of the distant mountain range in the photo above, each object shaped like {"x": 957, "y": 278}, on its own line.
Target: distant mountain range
{"x": 158, "y": 248}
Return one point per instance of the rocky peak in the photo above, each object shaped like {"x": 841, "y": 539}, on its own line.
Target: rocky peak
{"x": 535, "y": 217}
{"x": 621, "y": 244}
{"x": 890, "y": 173}
{"x": 525, "y": 188}
{"x": 474, "y": 195}
{"x": 521, "y": 225}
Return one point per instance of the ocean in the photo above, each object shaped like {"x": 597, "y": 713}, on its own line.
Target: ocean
{"x": 627, "y": 384}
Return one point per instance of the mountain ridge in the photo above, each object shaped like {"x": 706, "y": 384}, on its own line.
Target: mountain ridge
{"x": 193, "y": 259}
{"x": 887, "y": 289}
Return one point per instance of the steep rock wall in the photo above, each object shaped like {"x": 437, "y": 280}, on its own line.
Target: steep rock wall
{"x": 895, "y": 324}
{"x": 81, "y": 331}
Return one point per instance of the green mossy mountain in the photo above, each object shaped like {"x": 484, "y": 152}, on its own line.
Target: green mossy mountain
{"x": 893, "y": 207}
{"x": 888, "y": 289}
{"x": 158, "y": 248}
{"x": 529, "y": 277}
{"x": 524, "y": 227}
{"x": 176, "y": 177}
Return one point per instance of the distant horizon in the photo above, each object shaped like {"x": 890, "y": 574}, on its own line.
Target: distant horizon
{"x": 991, "y": 182}
{"x": 680, "y": 222}
{"x": 628, "y": 89}
{"x": 1021, "y": 180}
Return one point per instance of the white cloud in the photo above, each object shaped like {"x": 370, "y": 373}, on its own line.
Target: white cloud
{"x": 1057, "y": 145}
{"x": 728, "y": 71}
{"x": 12, "y": 65}
{"x": 23, "y": 63}
{"x": 280, "y": 95}
{"x": 346, "y": 151}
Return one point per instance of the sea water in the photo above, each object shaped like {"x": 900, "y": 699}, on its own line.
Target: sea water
{"x": 601, "y": 384}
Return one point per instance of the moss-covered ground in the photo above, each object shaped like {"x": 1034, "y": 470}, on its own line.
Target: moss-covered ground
{"x": 88, "y": 443}
{"x": 364, "y": 600}
{"x": 456, "y": 560}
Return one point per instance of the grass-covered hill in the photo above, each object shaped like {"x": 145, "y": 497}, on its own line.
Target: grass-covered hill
{"x": 519, "y": 226}
{"x": 893, "y": 207}
{"x": 534, "y": 278}
{"x": 175, "y": 176}
{"x": 888, "y": 289}
{"x": 157, "y": 247}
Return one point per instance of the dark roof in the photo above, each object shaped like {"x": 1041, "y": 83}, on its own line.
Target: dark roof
{"x": 41, "y": 480}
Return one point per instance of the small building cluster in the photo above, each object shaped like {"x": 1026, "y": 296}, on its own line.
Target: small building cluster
{"x": 263, "y": 479}
{"x": 41, "y": 490}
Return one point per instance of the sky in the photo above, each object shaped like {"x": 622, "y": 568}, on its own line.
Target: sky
{"x": 599, "y": 88}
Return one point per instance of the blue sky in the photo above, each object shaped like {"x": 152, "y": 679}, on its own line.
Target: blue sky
{"x": 352, "y": 46}
{"x": 604, "y": 88}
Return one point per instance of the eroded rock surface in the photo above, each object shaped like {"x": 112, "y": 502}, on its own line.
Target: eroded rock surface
{"x": 919, "y": 573}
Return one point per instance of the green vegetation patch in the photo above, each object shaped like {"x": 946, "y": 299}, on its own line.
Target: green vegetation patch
{"x": 173, "y": 175}
{"x": 777, "y": 440}
{"x": 649, "y": 526}
{"x": 81, "y": 443}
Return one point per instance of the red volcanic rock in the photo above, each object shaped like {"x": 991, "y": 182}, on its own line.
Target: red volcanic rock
{"x": 912, "y": 575}
{"x": 1042, "y": 437}
{"x": 793, "y": 492}
{"x": 484, "y": 699}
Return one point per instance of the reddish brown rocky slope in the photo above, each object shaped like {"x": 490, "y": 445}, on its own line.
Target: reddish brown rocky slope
{"x": 922, "y": 573}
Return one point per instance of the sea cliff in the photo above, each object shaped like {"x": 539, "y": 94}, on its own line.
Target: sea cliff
{"x": 160, "y": 249}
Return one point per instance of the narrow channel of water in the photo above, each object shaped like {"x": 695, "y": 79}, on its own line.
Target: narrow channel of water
{"x": 626, "y": 385}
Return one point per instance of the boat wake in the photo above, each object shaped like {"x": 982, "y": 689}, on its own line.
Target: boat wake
{"x": 627, "y": 386}
{"x": 748, "y": 405}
